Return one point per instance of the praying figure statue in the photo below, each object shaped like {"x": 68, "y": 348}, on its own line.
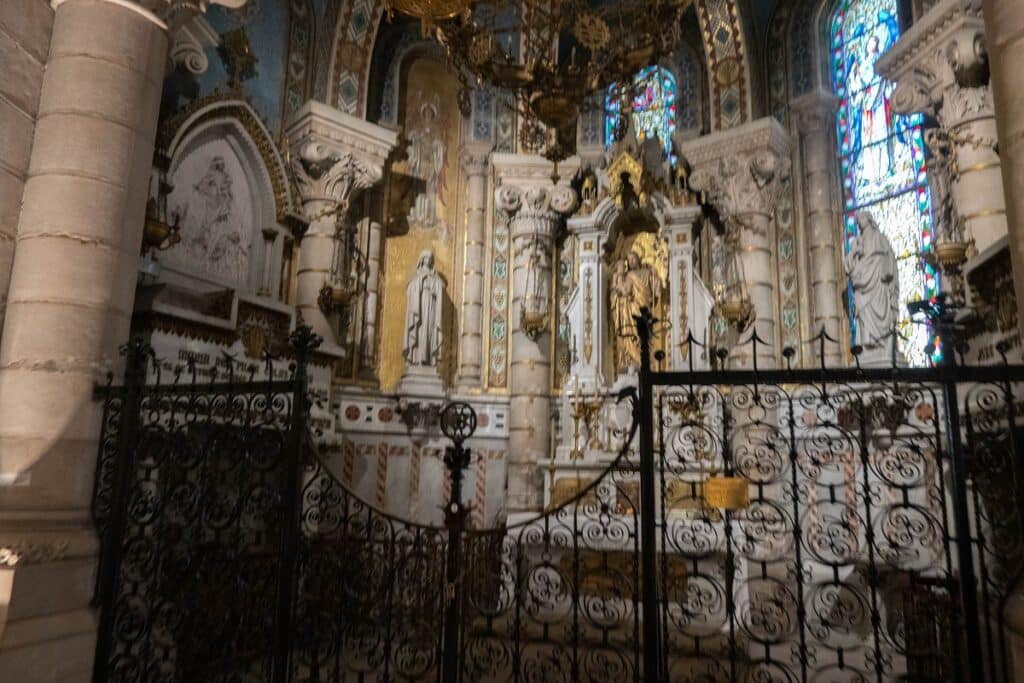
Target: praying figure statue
{"x": 634, "y": 286}
{"x": 424, "y": 297}
{"x": 871, "y": 268}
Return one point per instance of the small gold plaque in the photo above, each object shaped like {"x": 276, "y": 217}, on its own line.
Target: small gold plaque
{"x": 726, "y": 493}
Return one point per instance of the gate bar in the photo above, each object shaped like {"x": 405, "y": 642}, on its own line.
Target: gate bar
{"x": 648, "y": 552}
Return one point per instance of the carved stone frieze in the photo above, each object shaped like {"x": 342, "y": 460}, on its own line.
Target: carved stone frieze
{"x": 25, "y": 551}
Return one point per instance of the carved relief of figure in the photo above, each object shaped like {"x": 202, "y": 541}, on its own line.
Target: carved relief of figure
{"x": 427, "y": 159}
{"x": 871, "y": 267}
{"x": 424, "y": 297}
{"x": 634, "y": 286}
{"x": 213, "y": 236}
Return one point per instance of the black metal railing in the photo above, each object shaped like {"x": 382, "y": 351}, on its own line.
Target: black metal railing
{"x": 759, "y": 524}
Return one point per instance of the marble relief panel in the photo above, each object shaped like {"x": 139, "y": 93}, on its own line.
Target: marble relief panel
{"x": 215, "y": 201}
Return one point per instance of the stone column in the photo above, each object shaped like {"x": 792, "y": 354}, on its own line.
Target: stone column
{"x": 741, "y": 170}
{"x": 336, "y": 157}
{"x": 815, "y": 115}
{"x": 684, "y": 304}
{"x": 535, "y": 214}
{"x": 940, "y": 69}
{"x": 373, "y": 256}
{"x": 475, "y": 163}
{"x": 70, "y": 303}
{"x": 1004, "y": 24}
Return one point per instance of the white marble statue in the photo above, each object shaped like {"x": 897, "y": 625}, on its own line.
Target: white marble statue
{"x": 424, "y": 297}
{"x": 871, "y": 268}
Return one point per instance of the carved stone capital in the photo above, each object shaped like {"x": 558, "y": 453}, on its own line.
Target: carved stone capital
{"x": 324, "y": 176}
{"x": 944, "y": 50}
{"x": 815, "y": 112}
{"x": 535, "y": 210}
{"x": 741, "y": 170}
{"x": 336, "y": 153}
{"x": 475, "y": 159}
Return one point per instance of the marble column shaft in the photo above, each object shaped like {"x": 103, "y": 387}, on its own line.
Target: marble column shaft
{"x": 815, "y": 116}
{"x": 373, "y": 256}
{"x": 71, "y": 294}
{"x": 1004, "y": 28}
{"x": 535, "y": 214}
{"x": 475, "y": 164}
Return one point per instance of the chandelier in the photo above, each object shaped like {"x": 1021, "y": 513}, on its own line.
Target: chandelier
{"x": 552, "y": 55}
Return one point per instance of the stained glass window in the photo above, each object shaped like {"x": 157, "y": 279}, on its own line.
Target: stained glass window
{"x": 654, "y": 106}
{"x": 882, "y": 156}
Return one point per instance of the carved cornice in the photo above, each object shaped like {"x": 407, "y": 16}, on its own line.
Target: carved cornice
{"x": 944, "y": 49}
{"x": 741, "y": 171}
{"x": 320, "y": 131}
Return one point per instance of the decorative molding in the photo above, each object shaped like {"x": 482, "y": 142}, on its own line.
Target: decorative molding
{"x": 25, "y": 551}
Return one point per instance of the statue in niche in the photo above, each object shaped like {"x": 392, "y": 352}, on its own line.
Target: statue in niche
{"x": 871, "y": 268}
{"x": 424, "y": 298}
{"x": 427, "y": 160}
{"x": 634, "y": 286}
{"x": 537, "y": 295}
{"x": 213, "y": 236}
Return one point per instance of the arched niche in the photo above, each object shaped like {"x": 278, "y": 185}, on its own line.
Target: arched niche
{"x": 232, "y": 196}
{"x": 604, "y": 236}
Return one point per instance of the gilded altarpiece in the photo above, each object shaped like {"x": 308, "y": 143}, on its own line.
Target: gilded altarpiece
{"x": 422, "y": 209}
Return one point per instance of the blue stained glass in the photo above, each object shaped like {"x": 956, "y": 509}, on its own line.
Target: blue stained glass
{"x": 882, "y": 155}
{"x": 654, "y": 107}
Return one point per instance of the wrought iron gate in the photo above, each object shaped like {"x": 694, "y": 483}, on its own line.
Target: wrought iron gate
{"x": 760, "y": 525}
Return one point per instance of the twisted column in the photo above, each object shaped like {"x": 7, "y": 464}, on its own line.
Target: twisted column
{"x": 475, "y": 163}
{"x": 535, "y": 214}
{"x": 741, "y": 172}
{"x": 815, "y": 116}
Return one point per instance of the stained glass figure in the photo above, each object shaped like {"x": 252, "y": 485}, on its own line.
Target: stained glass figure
{"x": 882, "y": 156}
{"x": 654, "y": 106}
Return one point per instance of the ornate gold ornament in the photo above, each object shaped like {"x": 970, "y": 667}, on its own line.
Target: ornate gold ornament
{"x": 615, "y": 40}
